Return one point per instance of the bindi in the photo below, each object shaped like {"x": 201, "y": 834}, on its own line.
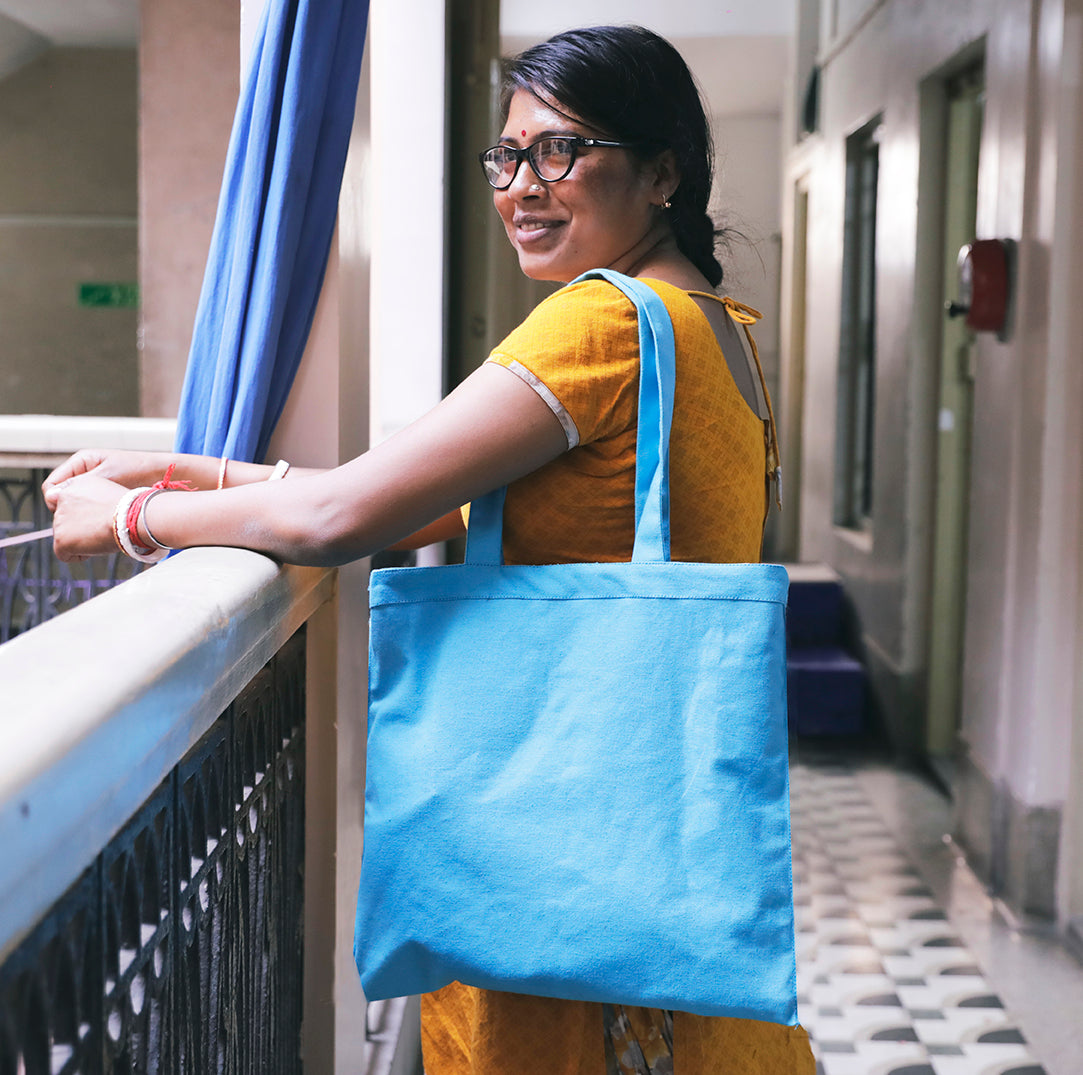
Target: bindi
{"x": 522, "y": 134}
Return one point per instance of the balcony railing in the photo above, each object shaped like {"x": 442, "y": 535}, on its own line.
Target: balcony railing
{"x": 34, "y": 585}
{"x": 152, "y": 791}
{"x": 156, "y": 759}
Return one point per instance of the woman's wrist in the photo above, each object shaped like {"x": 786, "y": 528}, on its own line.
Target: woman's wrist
{"x": 127, "y": 532}
{"x": 133, "y": 534}
{"x": 222, "y": 472}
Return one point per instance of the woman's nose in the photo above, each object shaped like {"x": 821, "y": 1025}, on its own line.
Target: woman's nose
{"x": 526, "y": 184}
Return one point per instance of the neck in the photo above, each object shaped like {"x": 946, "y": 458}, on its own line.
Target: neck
{"x": 658, "y": 257}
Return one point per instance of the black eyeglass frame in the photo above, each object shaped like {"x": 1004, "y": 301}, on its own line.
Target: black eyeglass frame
{"x": 577, "y": 142}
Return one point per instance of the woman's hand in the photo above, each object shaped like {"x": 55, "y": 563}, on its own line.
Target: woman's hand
{"x": 83, "y": 508}
{"x": 130, "y": 469}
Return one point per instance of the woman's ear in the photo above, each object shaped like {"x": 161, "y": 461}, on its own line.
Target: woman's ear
{"x": 665, "y": 177}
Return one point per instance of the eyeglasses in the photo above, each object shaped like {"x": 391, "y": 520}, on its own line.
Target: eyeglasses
{"x": 550, "y": 158}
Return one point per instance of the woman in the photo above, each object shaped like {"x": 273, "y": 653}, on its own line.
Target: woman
{"x": 604, "y": 160}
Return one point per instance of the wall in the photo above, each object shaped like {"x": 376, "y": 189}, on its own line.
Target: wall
{"x": 407, "y": 368}
{"x": 188, "y": 84}
{"x": 746, "y": 198}
{"x": 1065, "y": 421}
{"x": 18, "y": 45}
{"x": 1013, "y": 765}
{"x": 68, "y": 217}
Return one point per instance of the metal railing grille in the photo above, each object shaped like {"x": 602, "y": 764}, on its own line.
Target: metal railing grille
{"x": 180, "y": 949}
{"x": 34, "y": 585}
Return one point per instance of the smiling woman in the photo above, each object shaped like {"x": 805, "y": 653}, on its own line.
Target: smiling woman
{"x": 604, "y": 161}
{"x": 645, "y": 107}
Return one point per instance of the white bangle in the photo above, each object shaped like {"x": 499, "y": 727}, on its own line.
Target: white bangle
{"x": 123, "y": 535}
{"x": 279, "y": 471}
{"x": 222, "y": 472}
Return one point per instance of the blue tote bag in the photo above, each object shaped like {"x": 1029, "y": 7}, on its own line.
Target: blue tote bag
{"x": 577, "y": 778}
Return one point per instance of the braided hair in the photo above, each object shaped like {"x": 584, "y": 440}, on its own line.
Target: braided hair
{"x": 633, "y": 85}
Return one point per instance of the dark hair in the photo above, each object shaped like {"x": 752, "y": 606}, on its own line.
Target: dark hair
{"x": 634, "y": 86}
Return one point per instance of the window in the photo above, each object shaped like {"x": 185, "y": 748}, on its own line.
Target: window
{"x": 857, "y": 337}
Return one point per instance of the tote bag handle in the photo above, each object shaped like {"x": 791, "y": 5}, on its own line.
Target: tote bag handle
{"x": 657, "y": 376}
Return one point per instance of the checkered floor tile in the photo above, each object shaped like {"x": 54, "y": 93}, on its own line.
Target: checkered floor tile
{"x": 886, "y": 988}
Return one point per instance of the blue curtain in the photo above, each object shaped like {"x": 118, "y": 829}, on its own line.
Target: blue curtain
{"x": 276, "y": 218}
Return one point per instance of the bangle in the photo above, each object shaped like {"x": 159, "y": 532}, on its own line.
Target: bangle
{"x": 129, "y": 513}
{"x": 279, "y": 471}
{"x": 142, "y": 527}
{"x": 222, "y": 472}
{"x": 123, "y": 523}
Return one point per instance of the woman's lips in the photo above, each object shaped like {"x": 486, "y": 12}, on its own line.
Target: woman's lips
{"x": 532, "y": 230}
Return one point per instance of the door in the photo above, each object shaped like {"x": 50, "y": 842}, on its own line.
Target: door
{"x": 965, "y": 101}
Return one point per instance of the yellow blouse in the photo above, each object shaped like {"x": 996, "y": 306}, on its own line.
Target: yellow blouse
{"x": 579, "y": 349}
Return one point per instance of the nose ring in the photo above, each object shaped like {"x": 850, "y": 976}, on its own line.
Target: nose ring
{"x": 535, "y": 186}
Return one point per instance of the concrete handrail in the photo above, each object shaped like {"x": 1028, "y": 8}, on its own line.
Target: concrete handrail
{"x": 43, "y": 440}
{"x": 102, "y": 702}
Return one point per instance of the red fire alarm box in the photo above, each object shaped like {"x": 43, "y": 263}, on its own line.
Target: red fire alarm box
{"x": 985, "y": 270}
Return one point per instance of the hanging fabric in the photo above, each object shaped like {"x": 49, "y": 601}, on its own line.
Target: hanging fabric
{"x": 275, "y": 221}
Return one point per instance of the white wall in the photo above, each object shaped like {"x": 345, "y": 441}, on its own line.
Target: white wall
{"x": 407, "y": 218}
{"x": 747, "y": 198}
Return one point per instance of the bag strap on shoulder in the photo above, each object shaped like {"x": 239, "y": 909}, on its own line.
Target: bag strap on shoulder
{"x": 657, "y": 357}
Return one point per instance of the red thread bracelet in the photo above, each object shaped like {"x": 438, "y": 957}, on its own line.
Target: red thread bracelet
{"x": 136, "y": 506}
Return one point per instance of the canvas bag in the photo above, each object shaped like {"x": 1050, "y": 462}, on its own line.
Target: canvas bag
{"x": 577, "y": 777}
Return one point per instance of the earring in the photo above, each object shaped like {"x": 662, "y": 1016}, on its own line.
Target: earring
{"x": 667, "y": 204}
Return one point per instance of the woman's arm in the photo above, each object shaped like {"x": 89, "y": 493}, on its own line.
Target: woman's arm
{"x": 491, "y": 430}
{"x": 132, "y": 469}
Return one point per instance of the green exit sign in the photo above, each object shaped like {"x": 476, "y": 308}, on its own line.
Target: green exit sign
{"x": 125, "y": 296}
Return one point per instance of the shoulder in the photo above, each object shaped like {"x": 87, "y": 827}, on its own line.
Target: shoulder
{"x": 588, "y": 328}
{"x": 683, "y": 306}
{"x": 579, "y": 349}
{"x": 577, "y": 312}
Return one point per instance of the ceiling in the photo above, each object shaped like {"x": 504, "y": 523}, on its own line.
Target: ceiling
{"x": 671, "y": 18}
{"x": 116, "y": 22}
{"x": 29, "y": 27}
{"x": 74, "y": 22}
{"x": 738, "y": 49}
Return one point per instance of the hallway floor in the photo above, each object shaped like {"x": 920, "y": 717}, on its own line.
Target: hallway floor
{"x": 905, "y": 965}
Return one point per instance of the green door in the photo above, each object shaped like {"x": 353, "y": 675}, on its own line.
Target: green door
{"x": 966, "y": 95}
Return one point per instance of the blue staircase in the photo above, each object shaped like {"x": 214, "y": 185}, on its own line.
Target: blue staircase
{"x": 825, "y": 683}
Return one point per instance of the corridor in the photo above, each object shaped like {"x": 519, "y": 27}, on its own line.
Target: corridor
{"x": 905, "y": 965}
